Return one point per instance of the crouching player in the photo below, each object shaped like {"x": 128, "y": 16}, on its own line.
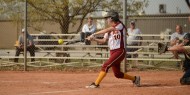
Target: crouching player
{"x": 185, "y": 49}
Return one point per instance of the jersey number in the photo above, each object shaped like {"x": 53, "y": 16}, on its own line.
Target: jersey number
{"x": 117, "y": 37}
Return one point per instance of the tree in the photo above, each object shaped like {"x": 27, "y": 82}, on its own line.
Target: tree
{"x": 136, "y": 6}
{"x": 63, "y": 12}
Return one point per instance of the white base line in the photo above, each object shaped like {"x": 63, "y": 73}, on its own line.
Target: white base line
{"x": 54, "y": 92}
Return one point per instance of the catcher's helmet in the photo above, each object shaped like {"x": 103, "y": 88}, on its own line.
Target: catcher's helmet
{"x": 187, "y": 36}
{"x": 114, "y": 15}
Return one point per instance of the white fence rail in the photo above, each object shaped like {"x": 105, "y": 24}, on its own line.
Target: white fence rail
{"x": 91, "y": 52}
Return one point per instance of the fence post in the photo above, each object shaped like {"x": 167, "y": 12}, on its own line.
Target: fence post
{"x": 124, "y": 21}
{"x": 25, "y": 40}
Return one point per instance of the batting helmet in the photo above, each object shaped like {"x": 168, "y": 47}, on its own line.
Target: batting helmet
{"x": 187, "y": 36}
{"x": 113, "y": 15}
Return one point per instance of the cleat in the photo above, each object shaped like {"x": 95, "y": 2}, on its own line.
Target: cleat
{"x": 93, "y": 85}
{"x": 137, "y": 80}
{"x": 185, "y": 81}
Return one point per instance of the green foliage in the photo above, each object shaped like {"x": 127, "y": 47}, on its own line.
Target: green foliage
{"x": 63, "y": 11}
{"x": 136, "y": 6}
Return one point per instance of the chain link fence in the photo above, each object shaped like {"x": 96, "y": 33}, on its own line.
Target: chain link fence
{"x": 50, "y": 20}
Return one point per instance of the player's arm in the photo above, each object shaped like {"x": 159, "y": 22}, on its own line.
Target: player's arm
{"x": 105, "y": 31}
{"x": 91, "y": 37}
{"x": 104, "y": 40}
{"x": 174, "y": 41}
{"x": 179, "y": 48}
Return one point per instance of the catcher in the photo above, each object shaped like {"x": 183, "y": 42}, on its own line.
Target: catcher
{"x": 184, "y": 47}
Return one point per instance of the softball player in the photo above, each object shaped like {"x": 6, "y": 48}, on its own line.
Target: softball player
{"x": 184, "y": 48}
{"x": 115, "y": 37}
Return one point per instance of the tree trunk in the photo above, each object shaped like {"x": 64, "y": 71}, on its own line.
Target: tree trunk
{"x": 64, "y": 26}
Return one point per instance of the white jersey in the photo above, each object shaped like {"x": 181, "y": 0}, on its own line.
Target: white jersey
{"x": 116, "y": 38}
{"x": 177, "y": 35}
{"x": 132, "y": 36}
{"x": 86, "y": 28}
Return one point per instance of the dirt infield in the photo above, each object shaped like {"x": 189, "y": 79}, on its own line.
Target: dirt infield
{"x": 65, "y": 83}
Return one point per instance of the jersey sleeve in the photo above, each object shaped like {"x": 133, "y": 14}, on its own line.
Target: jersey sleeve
{"x": 119, "y": 27}
{"x": 106, "y": 35}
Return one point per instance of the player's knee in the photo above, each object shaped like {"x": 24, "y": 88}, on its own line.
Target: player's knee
{"x": 185, "y": 81}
